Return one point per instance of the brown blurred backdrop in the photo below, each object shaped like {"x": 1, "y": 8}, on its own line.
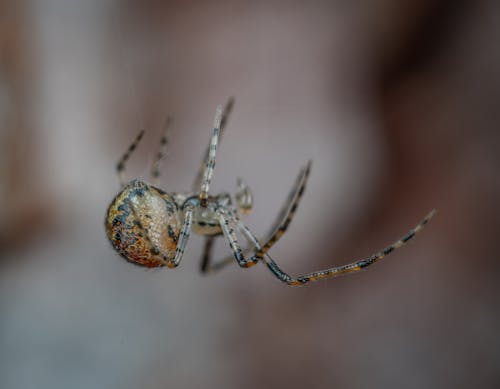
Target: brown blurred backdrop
{"x": 397, "y": 102}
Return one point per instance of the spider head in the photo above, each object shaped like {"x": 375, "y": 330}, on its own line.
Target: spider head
{"x": 143, "y": 224}
{"x": 243, "y": 197}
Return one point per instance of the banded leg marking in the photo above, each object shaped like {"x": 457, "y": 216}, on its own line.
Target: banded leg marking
{"x": 234, "y": 244}
{"x": 210, "y": 163}
{"x": 349, "y": 268}
{"x": 314, "y": 276}
{"x": 207, "y": 265}
{"x": 287, "y": 211}
{"x": 280, "y": 274}
{"x": 162, "y": 152}
{"x": 284, "y": 217}
{"x": 120, "y": 166}
{"x": 225, "y": 115}
{"x": 183, "y": 238}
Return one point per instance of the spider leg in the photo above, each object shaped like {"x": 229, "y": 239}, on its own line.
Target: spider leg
{"x": 282, "y": 221}
{"x": 162, "y": 152}
{"x": 287, "y": 212}
{"x": 183, "y": 238}
{"x": 225, "y": 114}
{"x": 207, "y": 266}
{"x": 210, "y": 163}
{"x": 230, "y": 235}
{"x": 120, "y": 166}
{"x": 344, "y": 269}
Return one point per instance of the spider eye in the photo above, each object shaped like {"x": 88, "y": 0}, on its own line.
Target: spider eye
{"x": 143, "y": 224}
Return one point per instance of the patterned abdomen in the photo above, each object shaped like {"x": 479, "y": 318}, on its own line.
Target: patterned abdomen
{"x": 143, "y": 224}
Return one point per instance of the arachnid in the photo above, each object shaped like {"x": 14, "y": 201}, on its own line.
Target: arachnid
{"x": 150, "y": 227}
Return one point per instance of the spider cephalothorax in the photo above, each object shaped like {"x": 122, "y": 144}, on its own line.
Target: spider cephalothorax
{"x": 151, "y": 228}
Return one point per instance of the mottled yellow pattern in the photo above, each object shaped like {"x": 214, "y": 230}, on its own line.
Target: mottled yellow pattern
{"x": 143, "y": 224}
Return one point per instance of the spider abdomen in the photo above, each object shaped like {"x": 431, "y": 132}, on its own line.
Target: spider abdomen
{"x": 143, "y": 224}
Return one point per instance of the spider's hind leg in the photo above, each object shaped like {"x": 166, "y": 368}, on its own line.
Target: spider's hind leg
{"x": 120, "y": 166}
{"x": 162, "y": 152}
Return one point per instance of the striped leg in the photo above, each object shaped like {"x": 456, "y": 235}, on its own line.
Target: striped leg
{"x": 233, "y": 244}
{"x": 210, "y": 162}
{"x": 287, "y": 212}
{"x": 225, "y": 114}
{"x": 183, "y": 239}
{"x": 207, "y": 265}
{"x": 120, "y": 167}
{"x": 282, "y": 221}
{"x": 162, "y": 152}
{"x": 344, "y": 269}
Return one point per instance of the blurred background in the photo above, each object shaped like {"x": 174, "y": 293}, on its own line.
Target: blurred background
{"x": 396, "y": 102}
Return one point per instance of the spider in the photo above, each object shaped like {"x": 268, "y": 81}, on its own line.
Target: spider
{"x": 151, "y": 228}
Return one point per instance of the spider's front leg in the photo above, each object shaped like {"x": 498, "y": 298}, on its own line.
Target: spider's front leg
{"x": 343, "y": 269}
{"x": 223, "y": 122}
{"x": 210, "y": 163}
